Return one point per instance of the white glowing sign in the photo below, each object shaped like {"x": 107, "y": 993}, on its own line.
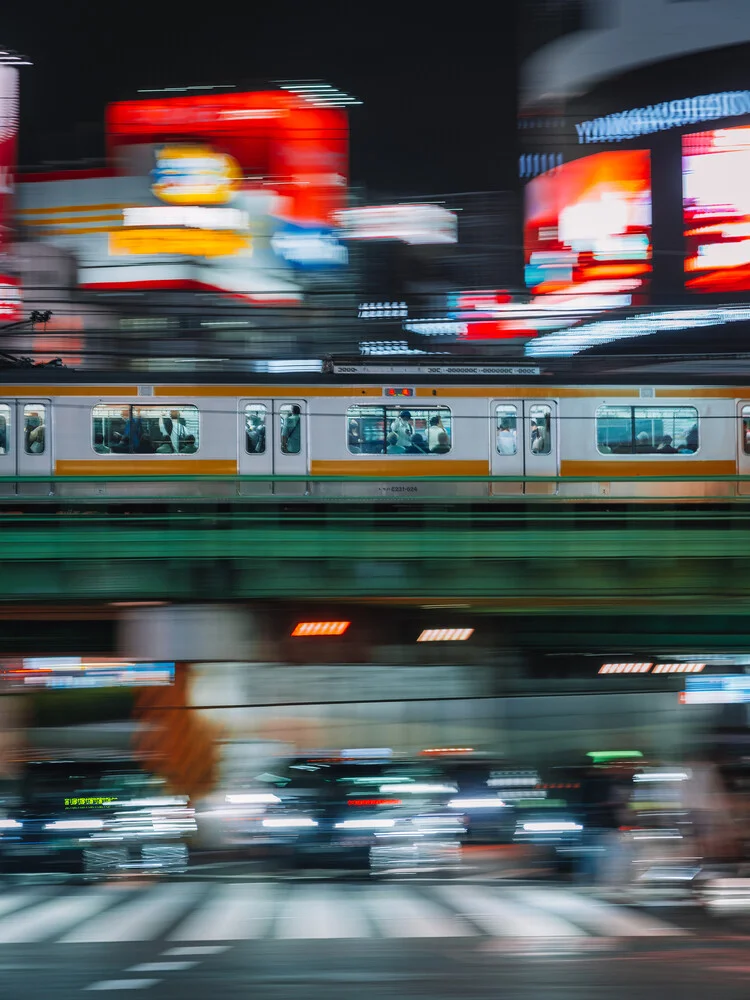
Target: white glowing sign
{"x": 188, "y": 216}
{"x": 415, "y": 224}
{"x": 659, "y": 117}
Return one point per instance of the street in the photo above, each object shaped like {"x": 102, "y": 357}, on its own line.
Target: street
{"x": 313, "y": 938}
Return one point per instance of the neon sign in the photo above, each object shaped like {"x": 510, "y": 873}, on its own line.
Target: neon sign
{"x": 659, "y": 117}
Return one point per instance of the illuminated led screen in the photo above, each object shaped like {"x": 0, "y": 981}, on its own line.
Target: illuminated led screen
{"x": 588, "y": 231}
{"x": 716, "y": 209}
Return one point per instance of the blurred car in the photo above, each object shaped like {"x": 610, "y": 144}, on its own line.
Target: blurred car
{"x": 375, "y": 815}
{"x": 93, "y": 817}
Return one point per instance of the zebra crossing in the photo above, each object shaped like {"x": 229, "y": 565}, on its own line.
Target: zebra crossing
{"x": 210, "y": 913}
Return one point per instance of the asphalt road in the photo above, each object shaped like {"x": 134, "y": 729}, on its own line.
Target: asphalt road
{"x": 188, "y": 939}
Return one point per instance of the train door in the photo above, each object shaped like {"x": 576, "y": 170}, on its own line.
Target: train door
{"x": 540, "y": 444}
{"x": 743, "y": 445}
{"x": 523, "y": 443}
{"x": 33, "y": 443}
{"x": 7, "y": 446}
{"x": 290, "y": 442}
{"x": 255, "y": 431}
{"x": 506, "y": 446}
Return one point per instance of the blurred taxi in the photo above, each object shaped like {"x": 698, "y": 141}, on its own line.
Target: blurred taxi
{"x": 96, "y": 817}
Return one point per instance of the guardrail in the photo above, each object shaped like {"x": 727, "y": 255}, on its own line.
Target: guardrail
{"x": 240, "y": 489}
{"x": 373, "y": 479}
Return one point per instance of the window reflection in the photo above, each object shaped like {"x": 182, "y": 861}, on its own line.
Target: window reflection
{"x": 5, "y": 429}
{"x": 647, "y": 430}
{"x": 145, "y": 430}
{"x": 506, "y": 429}
{"x": 540, "y": 429}
{"x": 34, "y": 429}
{"x": 255, "y": 429}
{"x": 399, "y": 430}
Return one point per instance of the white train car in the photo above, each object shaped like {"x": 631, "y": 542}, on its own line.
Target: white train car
{"x": 425, "y": 436}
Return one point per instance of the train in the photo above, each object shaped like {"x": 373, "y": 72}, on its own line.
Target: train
{"x": 399, "y": 432}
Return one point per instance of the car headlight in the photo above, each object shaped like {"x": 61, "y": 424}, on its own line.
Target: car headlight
{"x": 75, "y": 824}
{"x": 283, "y": 823}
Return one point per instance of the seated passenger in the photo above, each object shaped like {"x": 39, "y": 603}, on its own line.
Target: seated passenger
{"x": 418, "y": 446}
{"x": 188, "y": 447}
{"x": 643, "y": 444}
{"x": 665, "y": 448}
{"x": 145, "y": 446}
{"x": 99, "y": 445}
{"x": 443, "y": 444}
{"x": 393, "y": 447}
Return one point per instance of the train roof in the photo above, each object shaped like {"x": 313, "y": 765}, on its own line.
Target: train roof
{"x": 721, "y": 370}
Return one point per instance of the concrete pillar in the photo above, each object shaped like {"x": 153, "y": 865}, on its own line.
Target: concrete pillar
{"x": 188, "y": 632}
{"x": 178, "y": 742}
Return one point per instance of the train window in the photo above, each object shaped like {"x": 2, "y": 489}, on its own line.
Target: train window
{"x": 647, "y": 430}
{"x": 145, "y": 430}
{"x": 4, "y": 429}
{"x": 366, "y": 430}
{"x": 34, "y": 431}
{"x": 291, "y": 428}
{"x": 397, "y": 430}
{"x": 746, "y": 429}
{"x": 506, "y": 429}
{"x": 540, "y": 429}
{"x": 255, "y": 429}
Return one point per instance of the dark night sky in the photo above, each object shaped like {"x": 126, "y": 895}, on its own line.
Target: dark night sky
{"x": 437, "y": 81}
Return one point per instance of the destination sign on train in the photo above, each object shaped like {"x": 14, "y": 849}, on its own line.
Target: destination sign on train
{"x": 436, "y": 370}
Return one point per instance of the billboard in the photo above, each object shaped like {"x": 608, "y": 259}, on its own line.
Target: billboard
{"x": 587, "y": 232}
{"x": 716, "y": 209}
{"x": 280, "y": 142}
{"x": 232, "y": 193}
{"x": 8, "y": 138}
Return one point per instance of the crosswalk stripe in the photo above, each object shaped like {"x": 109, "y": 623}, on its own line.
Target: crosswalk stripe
{"x": 314, "y": 913}
{"x": 600, "y": 918}
{"x": 238, "y": 911}
{"x": 400, "y": 914}
{"x": 140, "y": 919}
{"x": 47, "y": 920}
{"x": 15, "y": 900}
{"x": 504, "y": 917}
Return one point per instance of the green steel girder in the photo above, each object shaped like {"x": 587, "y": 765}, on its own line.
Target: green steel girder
{"x": 121, "y": 540}
{"x": 527, "y": 560}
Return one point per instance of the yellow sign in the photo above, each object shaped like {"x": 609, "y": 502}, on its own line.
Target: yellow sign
{"x": 89, "y": 800}
{"x": 195, "y": 175}
{"x": 186, "y": 242}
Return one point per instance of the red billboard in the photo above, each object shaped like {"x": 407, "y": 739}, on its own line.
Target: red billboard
{"x": 8, "y": 139}
{"x": 230, "y": 193}
{"x": 716, "y": 209}
{"x": 587, "y": 235}
{"x": 276, "y": 138}
{"x": 10, "y": 291}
